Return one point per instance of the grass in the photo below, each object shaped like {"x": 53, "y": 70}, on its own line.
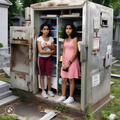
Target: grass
{"x": 114, "y": 105}
{"x": 8, "y": 117}
{"x": 116, "y": 68}
{"x": 5, "y": 78}
{"x": 116, "y": 72}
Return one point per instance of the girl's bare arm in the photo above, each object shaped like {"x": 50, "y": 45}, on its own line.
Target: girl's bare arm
{"x": 52, "y": 46}
{"x": 74, "y": 53}
{"x": 42, "y": 51}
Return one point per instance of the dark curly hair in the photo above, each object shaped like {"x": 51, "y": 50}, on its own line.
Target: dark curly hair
{"x": 42, "y": 26}
{"x": 73, "y": 34}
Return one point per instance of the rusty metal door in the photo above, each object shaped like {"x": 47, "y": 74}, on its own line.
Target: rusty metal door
{"x": 21, "y": 68}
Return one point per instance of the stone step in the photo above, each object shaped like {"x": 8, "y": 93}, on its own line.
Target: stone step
{"x": 5, "y": 64}
{"x": 1, "y": 58}
{"x": 2, "y": 73}
{"x": 115, "y": 61}
{"x": 6, "y": 70}
{"x": 8, "y": 100}
{"x": 2, "y": 82}
{"x": 116, "y": 65}
{"x": 115, "y": 75}
{"x": 113, "y": 58}
{"x": 4, "y": 88}
{"x": 7, "y": 56}
{"x": 5, "y": 94}
{"x": 4, "y": 50}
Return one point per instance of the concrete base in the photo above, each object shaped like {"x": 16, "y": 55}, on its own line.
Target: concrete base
{"x": 73, "y": 108}
{"x": 4, "y": 50}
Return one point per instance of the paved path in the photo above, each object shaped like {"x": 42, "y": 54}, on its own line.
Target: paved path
{"x": 33, "y": 111}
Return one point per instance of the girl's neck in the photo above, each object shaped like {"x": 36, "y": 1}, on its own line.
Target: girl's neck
{"x": 69, "y": 37}
{"x": 46, "y": 38}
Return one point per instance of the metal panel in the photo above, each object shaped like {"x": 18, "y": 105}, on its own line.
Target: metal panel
{"x": 21, "y": 39}
{"x": 98, "y": 64}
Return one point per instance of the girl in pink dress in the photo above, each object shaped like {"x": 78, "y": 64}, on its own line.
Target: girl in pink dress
{"x": 70, "y": 64}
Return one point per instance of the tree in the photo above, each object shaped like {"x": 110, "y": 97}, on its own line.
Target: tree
{"x": 18, "y": 7}
{"x": 13, "y": 11}
{"x": 27, "y": 3}
{"x": 109, "y": 3}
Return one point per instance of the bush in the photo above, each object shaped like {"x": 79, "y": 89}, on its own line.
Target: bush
{"x": 8, "y": 117}
{"x": 1, "y": 45}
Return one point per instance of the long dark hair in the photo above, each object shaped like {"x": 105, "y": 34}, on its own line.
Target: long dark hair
{"x": 42, "y": 26}
{"x": 73, "y": 34}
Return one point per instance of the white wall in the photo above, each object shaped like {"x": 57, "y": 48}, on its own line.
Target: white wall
{"x": 4, "y": 26}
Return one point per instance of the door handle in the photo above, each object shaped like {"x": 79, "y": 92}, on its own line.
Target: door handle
{"x": 82, "y": 52}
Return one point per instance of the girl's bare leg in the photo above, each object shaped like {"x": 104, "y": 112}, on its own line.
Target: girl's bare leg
{"x": 72, "y": 87}
{"x": 42, "y": 82}
{"x": 49, "y": 82}
{"x": 64, "y": 80}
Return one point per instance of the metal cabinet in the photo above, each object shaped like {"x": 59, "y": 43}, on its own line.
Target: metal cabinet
{"x": 95, "y": 25}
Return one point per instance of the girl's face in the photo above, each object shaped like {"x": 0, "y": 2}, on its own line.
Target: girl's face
{"x": 68, "y": 30}
{"x": 45, "y": 30}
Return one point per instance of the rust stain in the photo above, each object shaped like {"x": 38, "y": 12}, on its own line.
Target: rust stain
{"x": 21, "y": 75}
{"x": 20, "y": 41}
{"x": 19, "y": 30}
{"x": 19, "y": 55}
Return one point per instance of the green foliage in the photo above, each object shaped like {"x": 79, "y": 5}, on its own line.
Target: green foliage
{"x": 18, "y": 7}
{"x": 8, "y": 117}
{"x": 13, "y": 11}
{"x": 109, "y": 3}
{"x": 5, "y": 78}
{"x": 61, "y": 32}
{"x": 114, "y": 105}
{"x": 88, "y": 114}
{"x": 1, "y": 45}
{"x": 66, "y": 119}
{"x": 61, "y": 108}
{"x": 104, "y": 115}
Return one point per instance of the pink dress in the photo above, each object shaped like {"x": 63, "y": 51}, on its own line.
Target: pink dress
{"x": 74, "y": 69}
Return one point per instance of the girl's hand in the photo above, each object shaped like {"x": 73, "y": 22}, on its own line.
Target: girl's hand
{"x": 65, "y": 66}
{"x": 46, "y": 45}
{"x": 43, "y": 45}
{"x": 53, "y": 51}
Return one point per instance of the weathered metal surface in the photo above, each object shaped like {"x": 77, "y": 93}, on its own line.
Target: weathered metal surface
{"x": 21, "y": 39}
{"x": 56, "y": 3}
{"x": 97, "y": 65}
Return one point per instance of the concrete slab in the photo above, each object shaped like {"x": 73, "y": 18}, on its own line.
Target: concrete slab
{"x": 6, "y": 70}
{"x": 28, "y": 110}
{"x": 2, "y": 83}
{"x": 115, "y": 75}
{"x": 75, "y": 105}
{"x": 4, "y": 88}
{"x": 5, "y": 94}
{"x": 8, "y": 100}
